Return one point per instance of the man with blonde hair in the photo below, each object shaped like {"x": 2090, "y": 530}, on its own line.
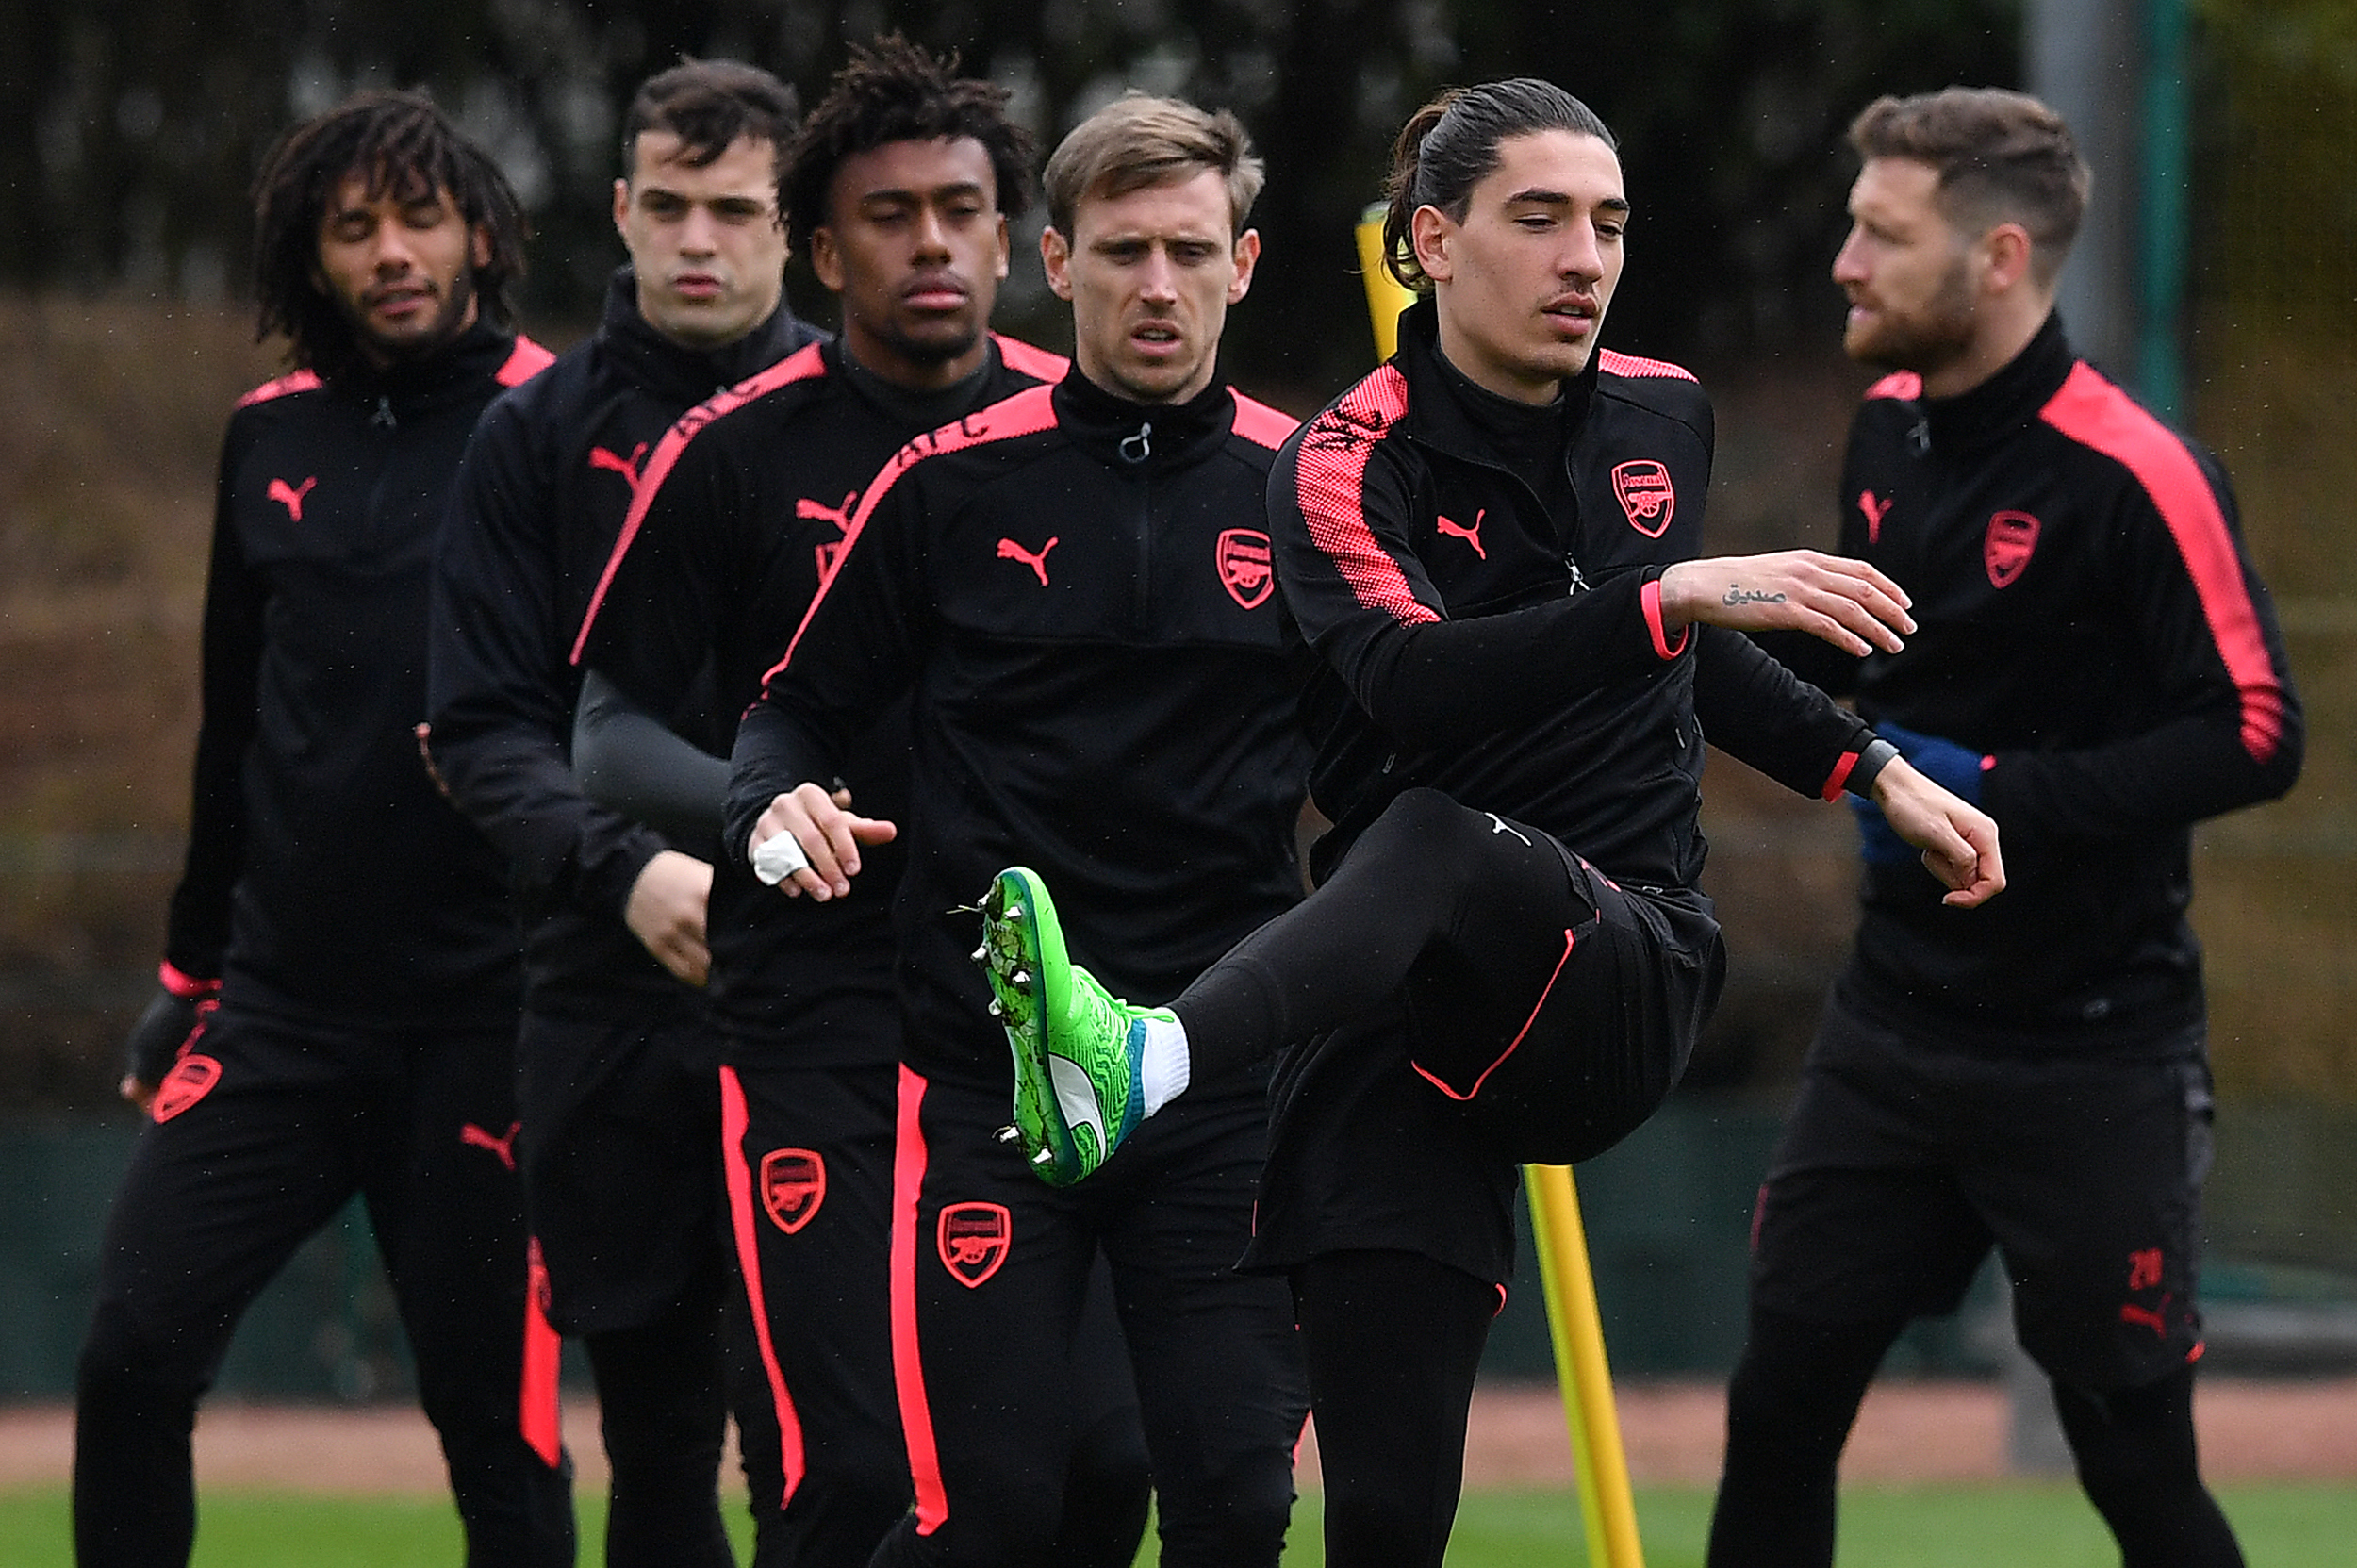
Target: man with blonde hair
{"x": 1074, "y": 585}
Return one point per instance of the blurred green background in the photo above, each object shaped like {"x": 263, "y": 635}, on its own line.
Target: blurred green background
{"x": 128, "y": 135}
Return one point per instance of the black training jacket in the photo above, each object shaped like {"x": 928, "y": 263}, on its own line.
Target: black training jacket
{"x": 554, "y": 469}
{"x": 2090, "y": 622}
{"x": 1506, "y": 648}
{"x": 745, "y": 508}
{"x": 1075, "y": 591}
{"x": 326, "y": 875}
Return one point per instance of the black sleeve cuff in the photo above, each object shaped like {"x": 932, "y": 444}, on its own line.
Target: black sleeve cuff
{"x": 1871, "y": 762}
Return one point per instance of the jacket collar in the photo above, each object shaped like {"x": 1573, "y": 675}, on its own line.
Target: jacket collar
{"x": 1442, "y": 402}
{"x": 915, "y": 410}
{"x": 678, "y": 373}
{"x": 1147, "y": 437}
{"x": 408, "y": 388}
{"x": 2006, "y": 401}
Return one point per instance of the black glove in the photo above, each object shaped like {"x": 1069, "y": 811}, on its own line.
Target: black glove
{"x": 179, "y": 1010}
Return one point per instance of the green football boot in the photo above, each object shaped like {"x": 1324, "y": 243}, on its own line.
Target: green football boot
{"x": 1077, "y": 1081}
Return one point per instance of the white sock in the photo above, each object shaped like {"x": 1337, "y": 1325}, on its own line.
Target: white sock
{"x": 1165, "y": 1063}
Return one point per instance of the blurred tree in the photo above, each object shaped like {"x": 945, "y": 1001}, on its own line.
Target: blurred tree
{"x": 128, "y": 133}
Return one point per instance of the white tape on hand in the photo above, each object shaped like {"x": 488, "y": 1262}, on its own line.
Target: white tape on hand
{"x": 779, "y": 858}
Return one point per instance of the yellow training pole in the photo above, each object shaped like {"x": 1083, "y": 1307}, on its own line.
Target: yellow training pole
{"x": 1605, "y": 1507}
{"x": 1386, "y": 298}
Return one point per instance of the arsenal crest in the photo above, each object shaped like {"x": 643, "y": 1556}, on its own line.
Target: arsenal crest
{"x": 2005, "y": 550}
{"x": 793, "y": 1184}
{"x": 973, "y": 1239}
{"x": 191, "y": 1080}
{"x": 1244, "y": 566}
{"x": 1643, "y": 486}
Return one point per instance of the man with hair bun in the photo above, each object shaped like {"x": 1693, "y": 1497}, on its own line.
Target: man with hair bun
{"x": 1488, "y": 546}
{"x": 1070, "y": 588}
{"x": 2098, "y": 667}
{"x": 339, "y": 1001}
{"x": 620, "y": 1145}
{"x": 898, "y": 187}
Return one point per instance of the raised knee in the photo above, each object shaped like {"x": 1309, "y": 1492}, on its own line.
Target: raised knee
{"x": 1423, "y": 827}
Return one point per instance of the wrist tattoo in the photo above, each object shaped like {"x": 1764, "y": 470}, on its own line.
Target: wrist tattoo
{"x": 1738, "y": 594}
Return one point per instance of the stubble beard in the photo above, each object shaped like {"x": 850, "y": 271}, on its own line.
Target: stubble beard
{"x": 449, "y": 322}
{"x": 1926, "y": 341}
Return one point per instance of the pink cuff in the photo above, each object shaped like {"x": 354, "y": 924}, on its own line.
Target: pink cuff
{"x": 187, "y": 987}
{"x": 1649, "y": 598}
{"x": 1839, "y": 777}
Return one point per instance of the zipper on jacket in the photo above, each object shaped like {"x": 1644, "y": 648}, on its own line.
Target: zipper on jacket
{"x": 383, "y": 419}
{"x": 1135, "y": 449}
{"x": 1142, "y": 610}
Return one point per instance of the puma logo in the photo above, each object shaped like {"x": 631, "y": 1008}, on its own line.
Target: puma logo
{"x": 290, "y": 496}
{"x": 1010, "y": 550}
{"x": 1471, "y": 536}
{"x": 503, "y": 1147}
{"x": 830, "y": 551}
{"x": 1875, "y": 511}
{"x": 626, "y": 467}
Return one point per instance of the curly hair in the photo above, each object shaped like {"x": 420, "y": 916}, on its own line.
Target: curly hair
{"x": 1451, "y": 145}
{"x": 400, "y": 143}
{"x": 894, "y": 90}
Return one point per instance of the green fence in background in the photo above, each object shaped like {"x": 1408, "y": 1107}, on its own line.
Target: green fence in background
{"x": 1668, "y": 1214}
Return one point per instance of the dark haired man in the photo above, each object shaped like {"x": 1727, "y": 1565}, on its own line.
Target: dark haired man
{"x": 1489, "y": 544}
{"x": 1070, "y": 587}
{"x": 900, "y": 188}
{"x": 340, "y": 962}
{"x": 2098, "y": 666}
{"x": 615, "y": 1061}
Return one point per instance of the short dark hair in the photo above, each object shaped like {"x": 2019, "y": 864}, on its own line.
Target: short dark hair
{"x": 1135, "y": 142}
{"x": 2001, "y": 157}
{"x": 1451, "y": 145}
{"x": 709, "y": 105}
{"x": 397, "y": 142}
{"x": 894, "y": 90}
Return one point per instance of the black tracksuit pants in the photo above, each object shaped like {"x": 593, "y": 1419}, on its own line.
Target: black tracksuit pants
{"x": 1463, "y": 994}
{"x": 1001, "y": 1378}
{"x": 255, "y": 1153}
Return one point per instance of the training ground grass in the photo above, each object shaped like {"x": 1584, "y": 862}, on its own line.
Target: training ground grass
{"x": 2020, "y": 1525}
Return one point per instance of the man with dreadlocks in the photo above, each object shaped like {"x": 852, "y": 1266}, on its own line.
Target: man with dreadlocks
{"x": 340, "y": 971}
{"x": 899, "y": 188}
{"x": 619, "y": 1149}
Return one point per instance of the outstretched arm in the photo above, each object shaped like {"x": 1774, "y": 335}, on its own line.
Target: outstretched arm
{"x": 1832, "y": 598}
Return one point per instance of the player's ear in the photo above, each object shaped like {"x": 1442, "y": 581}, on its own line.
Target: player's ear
{"x": 826, "y": 261}
{"x": 1055, "y": 259}
{"x": 2005, "y": 257}
{"x": 1428, "y": 233}
{"x": 1247, "y": 257}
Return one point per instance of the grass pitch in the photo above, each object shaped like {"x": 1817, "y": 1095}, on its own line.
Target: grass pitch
{"x": 2022, "y": 1525}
